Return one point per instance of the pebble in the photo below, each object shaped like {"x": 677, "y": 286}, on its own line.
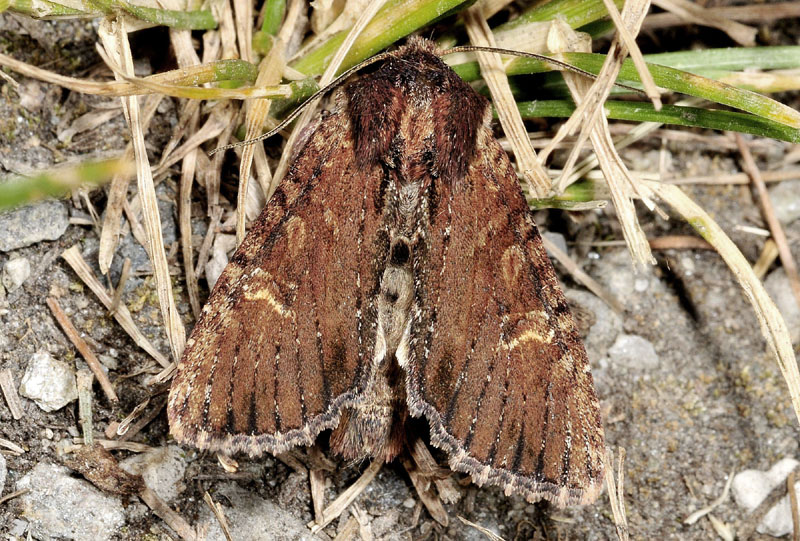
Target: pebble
{"x": 15, "y": 273}
{"x": 785, "y": 199}
{"x": 779, "y": 289}
{"x": 751, "y": 487}
{"x": 557, "y": 239}
{"x": 28, "y": 225}
{"x": 607, "y": 325}
{"x": 48, "y": 382}
{"x": 616, "y": 272}
{"x": 60, "y": 506}
{"x": 633, "y": 352}
{"x": 252, "y": 518}
{"x": 162, "y": 470}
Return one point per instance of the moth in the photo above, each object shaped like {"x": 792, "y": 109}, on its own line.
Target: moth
{"x": 397, "y": 272}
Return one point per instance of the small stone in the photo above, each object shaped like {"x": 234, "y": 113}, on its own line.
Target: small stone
{"x": 607, "y": 323}
{"x": 557, "y": 239}
{"x": 778, "y": 286}
{"x": 409, "y": 503}
{"x": 18, "y": 528}
{"x": 252, "y": 518}
{"x": 162, "y": 470}
{"x": 786, "y": 200}
{"x": 48, "y": 382}
{"x": 751, "y": 487}
{"x": 15, "y": 273}
{"x": 28, "y": 225}
{"x": 61, "y": 506}
{"x": 640, "y": 285}
{"x": 634, "y": 352}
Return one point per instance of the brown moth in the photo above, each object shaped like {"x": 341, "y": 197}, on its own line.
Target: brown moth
{"x": 397, "y": 271}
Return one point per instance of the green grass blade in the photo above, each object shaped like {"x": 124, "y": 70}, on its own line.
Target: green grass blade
{"x": 669, "y": 114}
{"x": 395, "y": 20}
{"x": 20, "y": 191}
{"x": 575, "y": 13}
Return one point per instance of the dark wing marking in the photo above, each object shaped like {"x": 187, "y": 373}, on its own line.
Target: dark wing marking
{"x": 282, "y": 344}
{"x": 494, "y": 361}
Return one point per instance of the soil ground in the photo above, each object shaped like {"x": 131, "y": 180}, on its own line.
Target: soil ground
{"x": 711, "y": 402}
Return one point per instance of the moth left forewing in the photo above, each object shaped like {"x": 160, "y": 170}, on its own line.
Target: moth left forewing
{"x": 282, "y": 343}
{"x": 493, "y": 358}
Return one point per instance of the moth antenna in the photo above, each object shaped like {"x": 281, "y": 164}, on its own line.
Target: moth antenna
{"x": 316, "y": 95}
{"x": 535, "y": 56}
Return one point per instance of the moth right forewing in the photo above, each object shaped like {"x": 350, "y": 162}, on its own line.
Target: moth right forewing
{"x": 495, "y": 363}
{"x": 283, "y": 341}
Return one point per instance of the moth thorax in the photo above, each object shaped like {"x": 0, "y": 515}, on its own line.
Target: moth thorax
{"x": 396, "y": 295}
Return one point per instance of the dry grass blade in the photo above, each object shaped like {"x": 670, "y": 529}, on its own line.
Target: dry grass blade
{"x": 75, "y": 260}
{"x": 219, "y": 514}
{"x": 769, "y": 253}
{"x": 213, "y": 127}
{"x": 125, "y": 424}
{"x": 12, "y": 495}
{"x": 144, "y": 421}
{"x": 691, "y": 12}
{"x": 346, "y": 498}
{"x": 123, "y": 278}
{"x": 679, "y": 242}
{"x": 621, "y": 185}
{"x": 84, "y": 349}
{"x": 616, "y": 493}
{"x": 422, "y": 484}
{"x": 173, "y": 519}
{"x": 10, "y": 394}
{"x": 772, "y": 325}
{"x": 11, "y": 446}
{"x": 700, "y": 513}
{"x": 84, "y": 379}
{"x": 188, "y": 169}
{"x": 494, "y": 74}
{"x": 738, "y": 178}
{"x": 581, "y": 277}
{"x": 628, "y": 38}
{"x": 327, "y": 78}
{"x": 348, "y": 531}
{"x": 116, "y": 44}
{"x": 485, "y": 531}
{"x": 427, "y": 464}
{"x": 769, "y": 216}
{"x": 269, "y": 73}
{"x": 748, "y": 13}
{"x": 790, "y": 488}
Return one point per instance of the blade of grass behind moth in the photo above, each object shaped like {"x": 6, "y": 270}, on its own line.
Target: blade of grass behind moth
{"x": 620, "y": 183}
{"x": 772, "y": 324}
{"x": 693, "y": 13}
{"x": 188, "y": 168}
{"x": 213, "y": 126}
{"x": 638, "y": 132}
{"x": 494, "y": 74}
{"x": 117, "y": 193}
{"x": 115, "y": 40}
{"x": 243, "y": 21}
{"x": 257, "y": 111}
{"x": 636, "y": 12}
{"x": 591, "y": 102}
{"x": 327, "y": 77}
